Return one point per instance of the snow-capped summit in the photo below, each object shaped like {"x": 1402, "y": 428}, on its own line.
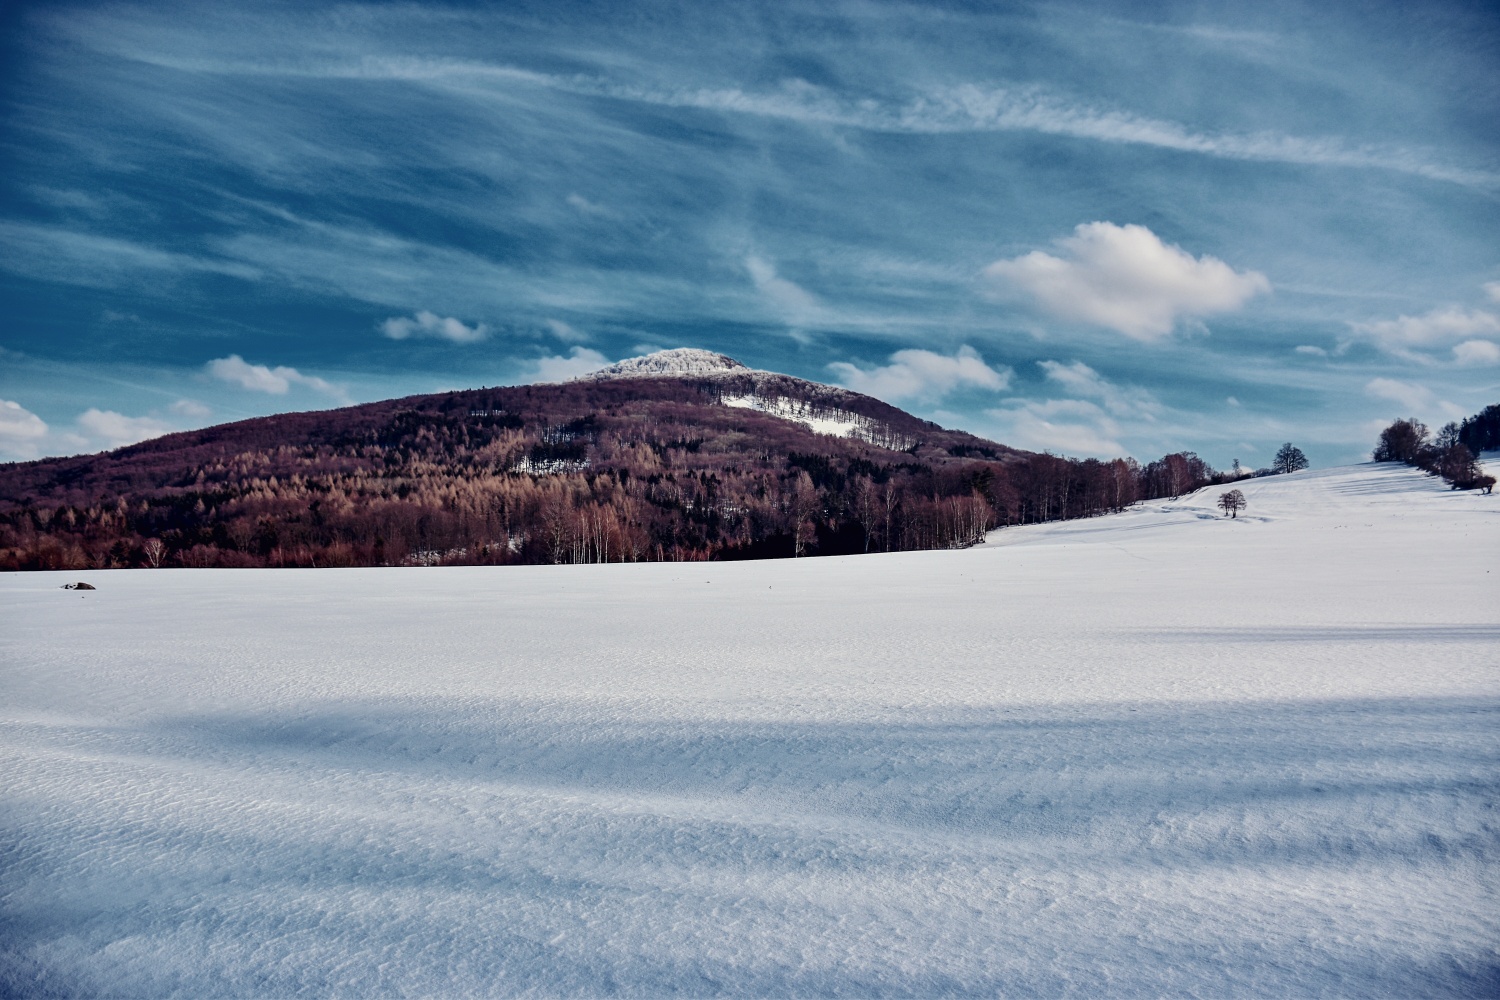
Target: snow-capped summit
{"x": 826, "y": 409}
{"x": 685, "y": 362}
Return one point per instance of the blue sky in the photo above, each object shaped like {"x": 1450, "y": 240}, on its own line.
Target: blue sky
{"x": 1094, "y": 229}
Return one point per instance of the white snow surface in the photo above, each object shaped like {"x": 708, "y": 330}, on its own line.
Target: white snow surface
{"x": 1154, "y": 753}
{"x": 820, "y": 420}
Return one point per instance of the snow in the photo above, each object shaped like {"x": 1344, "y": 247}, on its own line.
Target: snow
{"x": 685, "y": 362}
{"x": 1156, "y": 753}
{"x": 769, "y": 395}
{"x": 820, "y": 420}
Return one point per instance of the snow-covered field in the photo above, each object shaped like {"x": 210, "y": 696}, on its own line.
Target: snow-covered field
{"x": 1154, "y": 753}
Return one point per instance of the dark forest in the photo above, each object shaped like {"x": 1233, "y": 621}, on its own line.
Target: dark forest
{"x": 631, "y": 470}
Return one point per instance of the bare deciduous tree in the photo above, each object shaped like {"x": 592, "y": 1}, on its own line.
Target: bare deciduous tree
{"x": 155, "y": 551}
{"x": 1232, "y": 502}
{"x": 1288, "y": 459}
{"x": 802, "y": 503}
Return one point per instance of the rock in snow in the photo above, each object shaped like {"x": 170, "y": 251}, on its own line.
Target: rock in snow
{"x": 1156, "y": 753}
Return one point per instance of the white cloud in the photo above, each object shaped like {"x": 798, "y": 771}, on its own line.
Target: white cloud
{"x": 1413, "y": 399}
{"x": 564, "y": 332}
{"x": 1124, "y": 278}
{"x": 1492, "y": 289}
{"x": 1477, "y": 352}
{"x": 585, "y": 207}
{"x": 190, "y": 408}
{"x": 1069, "y": 426}
{"x": 795, "y": 304}
{"x": 1309, "y": 349}
{"x": 260, "y": 378}
{"x": 430, "y": 324}
{"x": 556, "y": 368}
{"x": 1232, "y": 401}
{"x": 20, "y": 430}
{"x": 1410, "y": 395}
{"x": 1081, "y": 380}
{"x": 115, "y": 430}
{"x": 917, "y": 374}
{"x": 1445, "y": 325}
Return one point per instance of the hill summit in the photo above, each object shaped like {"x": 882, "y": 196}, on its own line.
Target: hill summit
{"x": 683, "y": 362}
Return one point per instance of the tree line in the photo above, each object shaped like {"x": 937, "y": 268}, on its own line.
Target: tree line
{"x": 1452, "y": 453}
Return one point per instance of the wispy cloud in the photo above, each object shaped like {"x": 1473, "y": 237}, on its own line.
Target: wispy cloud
{"x": 277, "y": 381}
{"x": 1439, "y": 327}
{"x": 1124, "y": 278}
{"x": 115, "y": 430}
{"x": 191, "y": 408}
{"x": 59, "y": 253}
{"x": 788, "y": 300}
{"x": 1093, "y": 425}
{"x": 380, "y": 48}
{"x": 1408, "y": 394}
{"x": 919, "y": 374}
{"x": 1081, "y": 380}
{"x": 560, "y": 368}
{"x": 1477, "y": 353}
{"x": 1469, "y": 333}
{"x": 566, "y": 332}
{"x": 21, "y": 431}
{"x": 1069, "y": 426}
{"x": 1413, "y": 398}
{"x": 430, "y": 324}
{"x": 957, "y": 108}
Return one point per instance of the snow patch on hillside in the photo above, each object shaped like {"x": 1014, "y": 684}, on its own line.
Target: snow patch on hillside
{"x": 824, "y": 419}
{"x": 836, "y": 423}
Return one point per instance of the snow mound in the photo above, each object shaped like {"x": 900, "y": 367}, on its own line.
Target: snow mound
{"x": 680, "y": 362}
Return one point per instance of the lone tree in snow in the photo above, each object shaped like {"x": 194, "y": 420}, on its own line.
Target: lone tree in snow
{"x": 1232, "y": 502}
{"x": 1288, "y": 459}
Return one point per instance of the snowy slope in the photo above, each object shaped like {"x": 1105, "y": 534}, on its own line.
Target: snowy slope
{"x": 823, "y": 409}
{"x": 1155, "y": 753}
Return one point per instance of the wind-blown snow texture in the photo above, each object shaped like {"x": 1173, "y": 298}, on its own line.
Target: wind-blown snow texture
{"x": 1158, "y": 752}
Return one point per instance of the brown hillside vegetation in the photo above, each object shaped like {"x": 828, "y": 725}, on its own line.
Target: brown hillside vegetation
{"x": 655, "y": 468}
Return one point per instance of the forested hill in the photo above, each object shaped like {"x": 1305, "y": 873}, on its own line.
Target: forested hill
{"x": 679, "y": 455}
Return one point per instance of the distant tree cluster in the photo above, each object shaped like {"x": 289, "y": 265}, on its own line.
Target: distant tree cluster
{"x": 567, "y": 475}
{"x": 1481, "y": 432}
{"x": 1449, "y": 454}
